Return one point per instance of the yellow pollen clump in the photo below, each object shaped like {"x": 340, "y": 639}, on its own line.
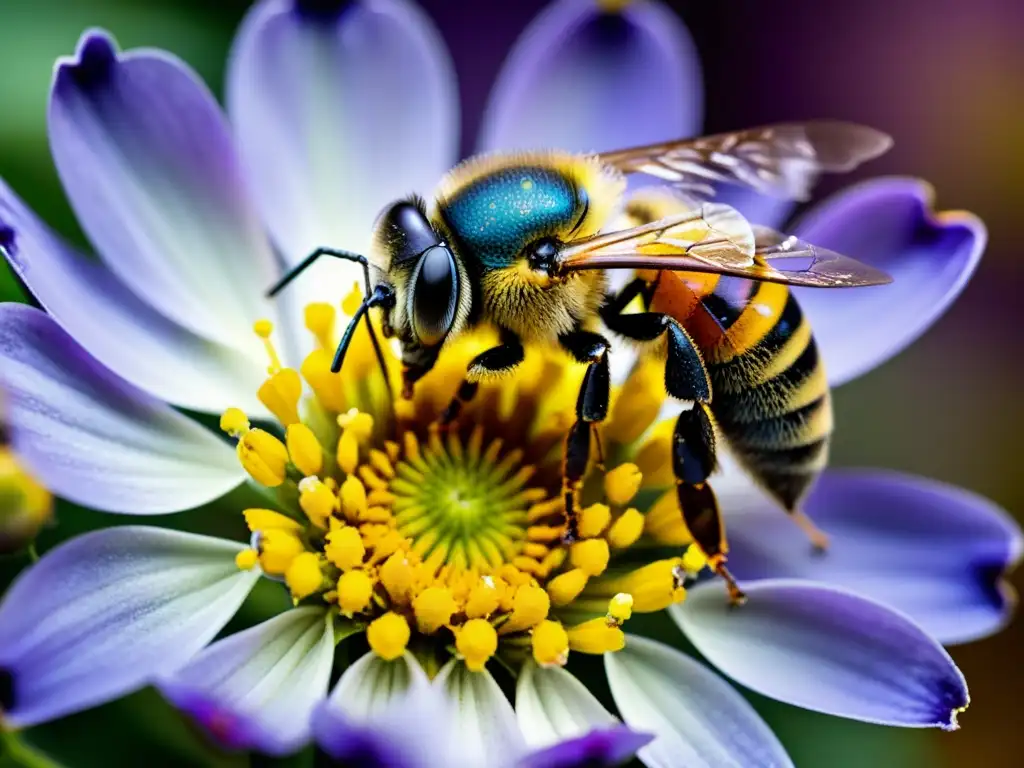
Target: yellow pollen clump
{"x": 267, "y": 519}
{"x": 596, "y": 636}
{"x": 277, "y": 549}
{"x": 593, "y": 520}
{"x": 316, "y": 500}
{"x": 622, "y": 483}
{"x": 353, "y": 498}
{"x": 264, "y": 457}
{"x": 620, "y": 608}
{"x": 483, "y": 599}
{"x": 320, "y": 322}
{"x": 530, "y": 606}
{"x": 281, "y": 393}
{"x": 246, "y": 559}
{"x": 567, "y": 586}
{"x": 234, "y": 422}
{"x": 304, "y": 449}
{"x": 433, "y": 607}
{"x": 626, "y": 530}
{"x": 344, "y": 548}
{"x": 303, "y": 576}
{"x": 550, "y": 644}
{"x": 477, "y": 641}
{"x": 355, "y": 588}
{"x": 388, "y": 636}
{"x": 396, "y": 576}
{"x": 590, "y": 556}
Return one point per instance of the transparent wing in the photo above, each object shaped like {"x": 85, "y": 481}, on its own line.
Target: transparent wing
{"x": 778, "y": 160}
{"x": 774, "y": 257}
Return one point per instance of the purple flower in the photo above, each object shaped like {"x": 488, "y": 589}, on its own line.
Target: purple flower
{"x": 337, "y": 108}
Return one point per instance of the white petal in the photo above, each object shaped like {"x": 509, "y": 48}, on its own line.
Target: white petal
{"x": 552, "y": 705}
{"x": 271, "y": 677}
{"x": 699, "y": 721}
{"x": 107, "y": 612}
{"x": 371, "y": 684}
{"x": 485, "y": 721}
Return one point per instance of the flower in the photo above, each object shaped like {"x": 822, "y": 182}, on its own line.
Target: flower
{"x": 377, "y": 526}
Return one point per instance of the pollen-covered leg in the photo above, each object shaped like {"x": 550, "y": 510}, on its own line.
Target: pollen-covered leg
{"x": 591, "y": 408}
{"x": 496, "y": 361}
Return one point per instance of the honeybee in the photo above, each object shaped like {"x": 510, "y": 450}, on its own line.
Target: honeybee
{"x": 524, "y": 242}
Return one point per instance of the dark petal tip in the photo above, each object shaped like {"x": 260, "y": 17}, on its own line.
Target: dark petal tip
{"x": 7, "y": 700}
{"x": 94, "y": 60}
{"x": 7, "y": 237}
{"x": 321, "y": 10}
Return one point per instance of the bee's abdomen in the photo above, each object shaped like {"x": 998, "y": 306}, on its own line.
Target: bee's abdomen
{"x": 770, "y": 393}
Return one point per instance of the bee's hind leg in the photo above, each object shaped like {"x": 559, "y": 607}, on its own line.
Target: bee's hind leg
{"x": 496, "y": 361}
{"x": 591, "y": 409}
{"x": 693, "y": 441}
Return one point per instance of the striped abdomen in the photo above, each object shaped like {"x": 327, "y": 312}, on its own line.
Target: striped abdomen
{"x": 770, "y": 394}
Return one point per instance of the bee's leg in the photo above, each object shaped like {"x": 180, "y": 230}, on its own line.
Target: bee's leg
{"x": 591, "y": 409}
{"x": 496, "y": 361}
{"x": 693, "y": 442}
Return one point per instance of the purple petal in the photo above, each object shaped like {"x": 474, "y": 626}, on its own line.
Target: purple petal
{"x": 588, "y": 80}
{"x": 887, "y": 223}
{"x": 109, "y": 611}
{"x": 119, "y": 329}
{"x": 149, "y": 166}
{"x": 257, "y": 689}
{"x": 95, "y": 439}
{"x": 597, "y": 749}
{"x": 828, "y": 650}
{"x": 933, "y": 551}
{"x": 339, "y": 109}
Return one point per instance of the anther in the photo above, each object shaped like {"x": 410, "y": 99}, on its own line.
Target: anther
{"x": 234, "y": 422}
{"x": 477, "y": 641}
{"x": 620, "y": 608}
{"x": 280, "y": 394}
{"x": 596, "y": 636}
{"x": 622, "y": 483}
{"x": 263, "y": 329}
{"x": 550, "y": 644}
{"x": 304, "y": 449}
{"x": 388, "y": 636}
{"x": 355, "y": 588}
{"x": 303, "y": 576}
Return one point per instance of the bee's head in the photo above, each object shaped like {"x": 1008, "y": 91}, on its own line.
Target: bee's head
{"x": 430, "y": 283}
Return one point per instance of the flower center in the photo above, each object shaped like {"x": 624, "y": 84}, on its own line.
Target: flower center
{"x": 449, "y": 540}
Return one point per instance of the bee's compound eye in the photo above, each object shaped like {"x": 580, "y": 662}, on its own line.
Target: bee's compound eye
{"x": 404, "y": 231}
{"x": 435, "y": 295}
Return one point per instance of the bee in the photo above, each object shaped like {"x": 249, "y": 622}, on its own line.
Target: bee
{"x": 524, "y": 242}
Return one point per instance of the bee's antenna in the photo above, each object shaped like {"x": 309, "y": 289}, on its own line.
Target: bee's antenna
{"x": 381, "y": 296}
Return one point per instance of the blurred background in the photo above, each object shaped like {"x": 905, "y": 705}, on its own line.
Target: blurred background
{"x": 944, "y": 77}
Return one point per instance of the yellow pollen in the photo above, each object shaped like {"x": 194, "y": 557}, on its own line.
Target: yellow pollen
{"x": 476, "y": 641}
{"x": 344, "y": 548}
{"x": 320, "y": 322}
{"x": 622, "y": 483}
{"x": 353, "y": 498}
{"x": 626, "y": 530}
{"x": 694, "y": 560}
{"x": 530, "y": 606}
{"x": 267, "y": 519}
{"x": 550, "y": 644}
{"x": 316, "y": 500}
{"x": 348, "y": 452}
{"x": 359, "y": 422}
{"x": 277, "y": 550}
{"x": 303, "y": 576}
{"x": 620, "y": 608}
{"x": 433, "y": 607}
{"x": 654, "y": 587}
{"x": 355, "y": 588}
{"x": 263, "y": 329}
{"x": 567, "y": 586}
{"x": 264, "y": 457}
{"x": 246, "y": 559}
{"x": 304, "y": 449}
{"x": 590, "y": 556}
{"x": 593, "y": 520}
{"x": 388, "y": 636}
{"x": 234, "y": 422}
{"x": 483, "y": 599}
{"x": 281, "y": 393}
{"x": 596, "y": 636}
{"x": 396, "y": 576}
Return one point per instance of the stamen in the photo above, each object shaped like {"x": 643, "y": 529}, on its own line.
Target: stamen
{"x": 344, "y": 548}
{"x": 303, "y": 576}
{"x": 620, "y": 608}
{"x": 267, "y": 519}
{"x": 234, "y": 422}
{"x": 483, "y": 599}
{"x": 353, "y": 498}
{"x": 529, "y": 607}
{"x": 320, "y": 322}
{"x": 477, "y": 642}
{"x": 304, "y": 449}
{"x": 550, "y": 644}
{"x": 355, "y": 589}
{"x": 567, "y": 586}
{"x": 316, "y": 500}
{"x": 622, "y": 483}
{"x": 654, "y": 587}
{"x": 277, "y": 550}
{"x": 433, "y": 608}
{"x": 590, "y": 556}
{"x": 388, "y": 636}
{"x": 246, "y": 559}
{"x": 327, "y": 386}
{"x": 664, "y": 521}
{"x": 396, "y": 575}
{"x": 264, "y": 457}
{"x": 348, "y": 452}
{"x": 281, "y": 393}
{"x": 593, "y": 520}
{"x": 626, "y": 530}
{"x": 263, "y": 329}
{"x": 596, "y": 636}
